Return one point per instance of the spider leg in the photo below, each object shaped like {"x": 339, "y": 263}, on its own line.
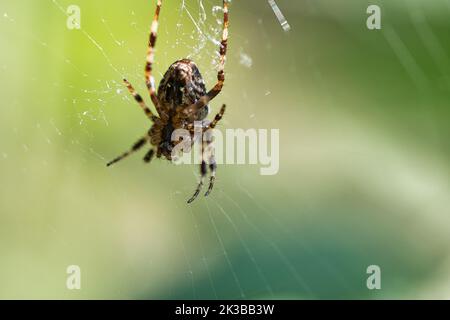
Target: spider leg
{"x": 208, "y": 139}
{"x": 139, "y": 144}
{"x": 203, "y": 101}
{"x": 149, "y": 156}
{"x": 140, "y": 101}
{"x": 203, "y": 171}
{"x": 217, "y": 118}
{"x": 149, "y": 80}
{"x": 212, "y": 178}
{"x": 212, "y": 160}
{"x": 223, "y": 52}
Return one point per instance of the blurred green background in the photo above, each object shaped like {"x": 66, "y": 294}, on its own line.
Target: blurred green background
{"x": 364, "y": 153}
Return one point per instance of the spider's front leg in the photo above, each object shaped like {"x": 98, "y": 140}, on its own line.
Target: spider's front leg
{"x": 140, "y": 101}
{"x": 203, "y": 101}
{"x": 149, "y": 80}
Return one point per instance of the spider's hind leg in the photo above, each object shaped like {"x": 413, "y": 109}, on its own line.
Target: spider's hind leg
{"x": 204, "y": 168}
{"x": 139, "y": 144}
{"x": 210, "y": 152}
{"x": 203, "y": 171}
{"x": 212, "y": 178}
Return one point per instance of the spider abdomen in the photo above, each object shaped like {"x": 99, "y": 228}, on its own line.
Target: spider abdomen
{"x": 181, "y": 86}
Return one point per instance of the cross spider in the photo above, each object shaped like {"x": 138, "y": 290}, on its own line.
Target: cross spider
{"x": 180, "y": 101}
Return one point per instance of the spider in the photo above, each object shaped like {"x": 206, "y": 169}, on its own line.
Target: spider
{"x": 180, "y": 101}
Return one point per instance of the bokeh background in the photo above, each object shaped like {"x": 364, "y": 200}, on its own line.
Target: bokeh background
{"x": 364, "y": 153}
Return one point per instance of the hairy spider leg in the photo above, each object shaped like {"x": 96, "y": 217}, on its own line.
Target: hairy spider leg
{"x": 203, "y": 171}
{"x": 212, "y": 178}
{"x": 149, "y": 80}
{"x": 140, "y": 101}
{"x": 138, "y": 145}
{"x": 203, "y": 101}
{"x": 217, "y": 118}
{"x": 212, "y": 160}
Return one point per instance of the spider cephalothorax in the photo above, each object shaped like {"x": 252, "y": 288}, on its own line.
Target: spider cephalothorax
{"x": 181, "y": 100}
